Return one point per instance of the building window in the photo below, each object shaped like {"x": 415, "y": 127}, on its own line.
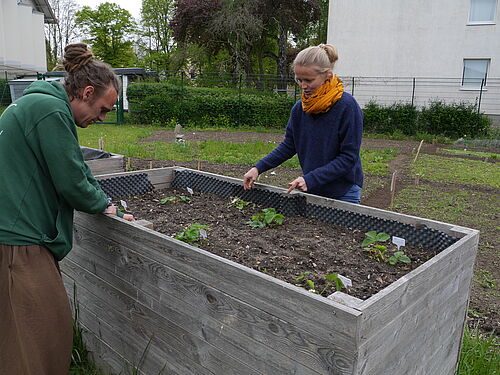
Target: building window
{"x": 475, "y": 73}
{"x": 482, "y": 11}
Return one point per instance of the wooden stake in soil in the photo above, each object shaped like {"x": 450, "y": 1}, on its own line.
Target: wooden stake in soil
{"x": 101, "y": 144}
{"x": 129, "y": 164}
{"x": 393, "y": 187}
{"x": 199, "y": 165}
{"x": 417, "y": 179}
{"x": 418, "y": 150}
{"x": 151, "y": 164}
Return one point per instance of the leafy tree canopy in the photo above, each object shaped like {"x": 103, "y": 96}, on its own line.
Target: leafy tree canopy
{"x": 108, "y": 28}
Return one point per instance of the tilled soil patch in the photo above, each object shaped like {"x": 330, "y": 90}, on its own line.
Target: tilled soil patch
{"x": 299, "y": 246}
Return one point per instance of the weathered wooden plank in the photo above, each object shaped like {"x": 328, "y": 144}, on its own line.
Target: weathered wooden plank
{"x": 411, "y": 361}
{"x": 138, "y": 325}
{"x": 384, "y": 306}
{"x": 418, "y": 331}
{"x": 105, "y": 357}
{"x": 200, "y": 323}
{"x": 113, "y": 164}
{"x": 160, "y": 178}
{"x": 229, "y": 312}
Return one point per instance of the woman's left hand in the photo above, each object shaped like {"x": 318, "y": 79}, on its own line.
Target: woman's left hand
{"x": 299, "y": 183}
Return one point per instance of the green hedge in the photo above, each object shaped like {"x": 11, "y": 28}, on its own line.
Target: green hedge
{"x": 159, "y": 103}
{"x": 5, "y": 98}
{"x": 450, "y": 120}
{"x": 156, "y": 103}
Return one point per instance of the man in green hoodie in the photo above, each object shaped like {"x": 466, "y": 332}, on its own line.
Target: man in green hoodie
{"x": 43, "y": 178}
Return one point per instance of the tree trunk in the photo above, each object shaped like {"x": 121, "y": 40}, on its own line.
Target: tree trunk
{"x": 282, "y": 49}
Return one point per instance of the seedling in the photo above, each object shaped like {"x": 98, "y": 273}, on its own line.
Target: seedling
{"x": 374, "y": 237}
{"x": 184, "y": 199}
{"x": 267, "y": 217}
{"x": 399, "y": 256}
{"x": 167, "y": 200}
{"x": 333, "y": 278}
{"x": 238, "y": 203}
{"x": 193, "y": 234}
{"x": 377, "y": 252}
{"x": 307, "y": 283}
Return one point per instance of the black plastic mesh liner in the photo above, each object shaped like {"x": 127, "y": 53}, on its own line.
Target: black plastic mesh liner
{"x": 296, "y": 205}
{"x": 125, "y": 186}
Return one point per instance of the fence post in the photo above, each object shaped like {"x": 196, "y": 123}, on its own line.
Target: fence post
{"x": 480, "y": 97}
{"x": 352, "y": 93}
{"x": 413, "y": 92}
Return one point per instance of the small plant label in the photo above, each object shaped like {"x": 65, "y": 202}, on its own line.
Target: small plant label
{"x": 190, "y": 191}
{"x": 346, "y": 282}
{"x": 398, "y": 241}
{"x": 124, "y": 205}
{"x": 203, "y": 233}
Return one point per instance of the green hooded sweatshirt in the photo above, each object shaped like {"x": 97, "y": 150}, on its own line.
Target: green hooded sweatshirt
{"x": 43, "y": 176}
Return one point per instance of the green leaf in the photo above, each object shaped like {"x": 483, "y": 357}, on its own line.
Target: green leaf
{"x": 366, "y": 242}
{"x": 405, "y": 259}
{"x": 332, "y": 277}
{"x": 310, "y": 284}
{"x": 382, "y": 237}
{"x": 371, "y": 234}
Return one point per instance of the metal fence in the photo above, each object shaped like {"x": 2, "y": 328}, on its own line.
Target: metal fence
{"x": 382, "y": 90}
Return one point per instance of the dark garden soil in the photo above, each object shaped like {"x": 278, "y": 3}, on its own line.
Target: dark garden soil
{"x": 300, "y": 245}
{"x": 484, "y": 308}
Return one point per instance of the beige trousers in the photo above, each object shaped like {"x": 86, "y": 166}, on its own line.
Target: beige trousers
{"x": 36, "y": 331}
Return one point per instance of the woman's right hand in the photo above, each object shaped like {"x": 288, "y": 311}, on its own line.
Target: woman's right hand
{"x": 250, "y": 177}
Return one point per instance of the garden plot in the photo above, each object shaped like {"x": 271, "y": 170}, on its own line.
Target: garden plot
{"x": 194, "y": 312}
{"x": 299, "y": 250}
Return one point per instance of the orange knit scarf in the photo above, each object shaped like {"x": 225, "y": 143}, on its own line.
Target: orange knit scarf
{"x": 324, "y": 97}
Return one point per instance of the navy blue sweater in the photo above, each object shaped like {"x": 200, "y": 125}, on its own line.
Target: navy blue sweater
{"x": 327, "y": 145}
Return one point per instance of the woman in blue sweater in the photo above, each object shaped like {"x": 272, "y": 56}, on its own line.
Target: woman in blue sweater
{"x": 324, "y": 130}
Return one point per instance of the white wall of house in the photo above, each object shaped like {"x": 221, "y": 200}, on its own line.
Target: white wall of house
{"x": 415, "y": 38}
{"x": 22, "y": 38}
{"x": 408, "y": 38}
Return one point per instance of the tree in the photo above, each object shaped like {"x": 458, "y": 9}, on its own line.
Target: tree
{"x": 286, "y": 17}
{"x": 108, "y": 28}
{"x": 60, "y": 34}
{"x": 156, "y": 41}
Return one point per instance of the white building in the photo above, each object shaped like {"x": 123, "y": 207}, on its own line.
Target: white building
{"x": 22, "y": 37}
{"x": 450, "y": 48}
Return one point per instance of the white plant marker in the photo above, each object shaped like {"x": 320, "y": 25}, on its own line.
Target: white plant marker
{"x": 203, "y": 233}
{"x": 190, "y": 191}
{"x": 124, "y": 205}
{"x": 398, "y": 241}
{"x": 345, "y": 281}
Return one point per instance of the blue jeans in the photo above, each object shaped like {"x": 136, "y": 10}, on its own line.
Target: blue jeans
{"x": 353, "y": 195}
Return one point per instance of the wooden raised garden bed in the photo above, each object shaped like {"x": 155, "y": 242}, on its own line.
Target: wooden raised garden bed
{"x": 192, "y": 312}
{"x": 103, "y": 162}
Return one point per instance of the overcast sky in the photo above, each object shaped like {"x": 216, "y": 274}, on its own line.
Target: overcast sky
{"x": 133, "y": 6}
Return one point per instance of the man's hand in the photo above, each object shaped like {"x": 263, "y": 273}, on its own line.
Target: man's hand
{"x": 249, "y": 178}
{"x": 299, "y": 183}
{"x": 112, "y": 210}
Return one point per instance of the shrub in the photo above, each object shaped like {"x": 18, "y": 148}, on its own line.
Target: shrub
{"x": 203, "y": 107}
{"x": 5, "y": 98}
{"x": 448, "y": 120}
{"x": 396, "y": 118}
{"x": 453, "y": 120}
